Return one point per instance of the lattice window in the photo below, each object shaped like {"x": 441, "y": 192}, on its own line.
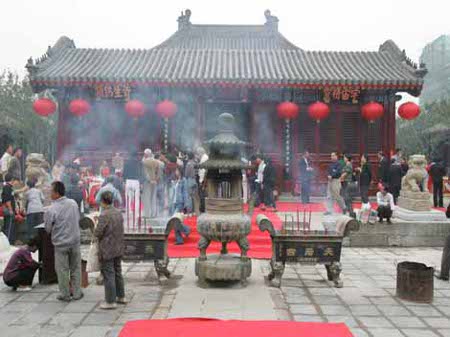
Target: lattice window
{"x": 328, "y": 135}
{"x": 306, "y": 129}
{"x": 351, "y": 131}
{"x": 374, "y": 136}
{"x": 265, "y": 126}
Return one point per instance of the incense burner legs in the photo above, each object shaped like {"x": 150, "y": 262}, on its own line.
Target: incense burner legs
{"x": 276, "y": 273}
{"x": 334, "y": 273}
{"x": 161, "y": 267}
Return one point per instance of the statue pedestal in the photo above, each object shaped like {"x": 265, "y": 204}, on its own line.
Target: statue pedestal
{"x": 429, "y": 215}
{"x": 414, "y": 201}
{"x": 223, "y": 267}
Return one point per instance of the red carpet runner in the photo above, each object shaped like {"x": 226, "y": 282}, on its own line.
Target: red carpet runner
{"x": 199, "y": 327}
{"x": 260, "y": 244}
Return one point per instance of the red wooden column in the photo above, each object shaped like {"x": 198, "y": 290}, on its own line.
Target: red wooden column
{"x": 392, "y": 122}
{"x": 295, "y": 133}
{"x": 385, "y": 126}
{"x": 62, "y": 134}
{"x": 338, "y": 111}
{"x": 200, "y": 118}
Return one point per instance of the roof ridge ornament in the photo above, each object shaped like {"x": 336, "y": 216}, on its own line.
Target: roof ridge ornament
{"x": 271, "y": 21}
{"x": 184, "y": 19}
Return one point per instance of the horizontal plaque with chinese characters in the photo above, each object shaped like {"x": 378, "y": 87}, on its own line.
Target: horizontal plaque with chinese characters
{"x": 143, "y": 250}
{"x": 117, "y": 90}
{"x": 308, "y": 251}
{"x": 341, "y": 94}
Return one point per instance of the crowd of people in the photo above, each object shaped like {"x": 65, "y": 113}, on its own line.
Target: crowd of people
{"x": 347, "y": 181}
{"x": 164, "y": 184}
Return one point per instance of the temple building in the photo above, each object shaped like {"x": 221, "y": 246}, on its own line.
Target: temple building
{"x": 245, "y": 70}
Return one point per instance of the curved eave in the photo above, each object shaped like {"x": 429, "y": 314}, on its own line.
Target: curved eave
{"x": 236, "y": 84}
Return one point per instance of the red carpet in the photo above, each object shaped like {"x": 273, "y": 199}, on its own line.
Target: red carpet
{"x": 200, "y": 327}
{"x": 260, "y": 244}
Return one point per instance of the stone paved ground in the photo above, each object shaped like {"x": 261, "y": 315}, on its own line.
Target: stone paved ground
{"x": 367, "y": 303}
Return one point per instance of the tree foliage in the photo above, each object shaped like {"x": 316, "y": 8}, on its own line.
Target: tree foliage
{"x": 427, "y": 132}
{"x": 19, "y": 124}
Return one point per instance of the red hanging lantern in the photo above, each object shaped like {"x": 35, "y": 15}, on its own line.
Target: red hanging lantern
{"x": 372, "y": 111}
{"x": 288, "y": 110}
{"x": 318, "y": 111}
{"x": 166, "y": 109}
{"x": 44, "y": 107}
{"x": 135, "y": 108}
{"x": 409, "y": 110}
{"x": 79, "y": 107}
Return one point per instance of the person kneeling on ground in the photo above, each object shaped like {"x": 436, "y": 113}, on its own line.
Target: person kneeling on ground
{"x": 177, "y": 201}
{"x": 110, "y": 234}
{"x": 20, "y": 270}
{"x": 385, "y": 202}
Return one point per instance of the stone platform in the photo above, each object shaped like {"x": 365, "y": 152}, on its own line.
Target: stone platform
{"x": 223, "y": 267}
{"x": 400, "y": 234}
{"x": 432, "y": 215}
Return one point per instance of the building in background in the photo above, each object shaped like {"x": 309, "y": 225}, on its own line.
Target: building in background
{"x": 436, "y": 56}
{"x": 246, "y": 70}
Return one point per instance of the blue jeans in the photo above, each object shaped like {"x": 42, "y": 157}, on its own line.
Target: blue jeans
{"x": 181, "y": 229}
{"x": 9, "y": 228}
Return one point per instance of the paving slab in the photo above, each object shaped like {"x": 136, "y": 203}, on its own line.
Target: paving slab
{"x": 250, "y": 302}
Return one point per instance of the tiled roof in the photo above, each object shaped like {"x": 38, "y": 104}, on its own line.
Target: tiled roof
{"x": 218, "y": 53}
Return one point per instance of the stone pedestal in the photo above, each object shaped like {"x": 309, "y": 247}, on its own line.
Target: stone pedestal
{"x": 414, "y": 201}
{"x": 414, "y": 216}
{"x": 223, "y": 267}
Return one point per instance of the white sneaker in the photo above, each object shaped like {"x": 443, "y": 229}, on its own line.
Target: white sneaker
{"x": 108, "y": 306}
{"x": 24, "y": 289}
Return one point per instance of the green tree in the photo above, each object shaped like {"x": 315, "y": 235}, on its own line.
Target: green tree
{"x": 19, "y": 124}
{"x": 426, "y": 132}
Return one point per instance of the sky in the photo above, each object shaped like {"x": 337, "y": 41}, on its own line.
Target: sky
{"x": 28, "y": 27}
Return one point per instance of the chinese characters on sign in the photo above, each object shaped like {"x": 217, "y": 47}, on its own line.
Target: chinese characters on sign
{"x": 309, "y": 253}
{"x": 341, "y": 94}
{"x": 113, "y": 91}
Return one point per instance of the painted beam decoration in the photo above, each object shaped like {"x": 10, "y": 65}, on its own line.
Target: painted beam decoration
{"x": 341, "y": 94}
{"x": 117, "y": 90}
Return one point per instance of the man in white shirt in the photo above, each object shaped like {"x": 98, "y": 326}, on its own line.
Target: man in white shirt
{"x": 202, "y": 157}
{"x": 259, "y": 180}
{"x": 385, "y": 202}
{"x": 6, "y": 158}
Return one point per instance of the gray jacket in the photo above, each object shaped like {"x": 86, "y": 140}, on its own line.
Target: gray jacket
{"x": 34, "y": 199}
{"x": 62, "y": 221}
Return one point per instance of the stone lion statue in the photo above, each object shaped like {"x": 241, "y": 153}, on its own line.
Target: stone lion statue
{"x": 416, "y": 175}
{"x": 37, "y": 168}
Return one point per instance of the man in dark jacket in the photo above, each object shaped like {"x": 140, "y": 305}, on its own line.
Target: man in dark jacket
{"x": 305, "y": 176}
{"x": 395, "y": 179}
{"x": 383, "y": 168}
{"x": 110, "y": 235}
{"x": 437, "y": 173}
{"x": 269, "y": 184}
{"x": 365, "y": 178}
{"x": 334, "y": 185}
